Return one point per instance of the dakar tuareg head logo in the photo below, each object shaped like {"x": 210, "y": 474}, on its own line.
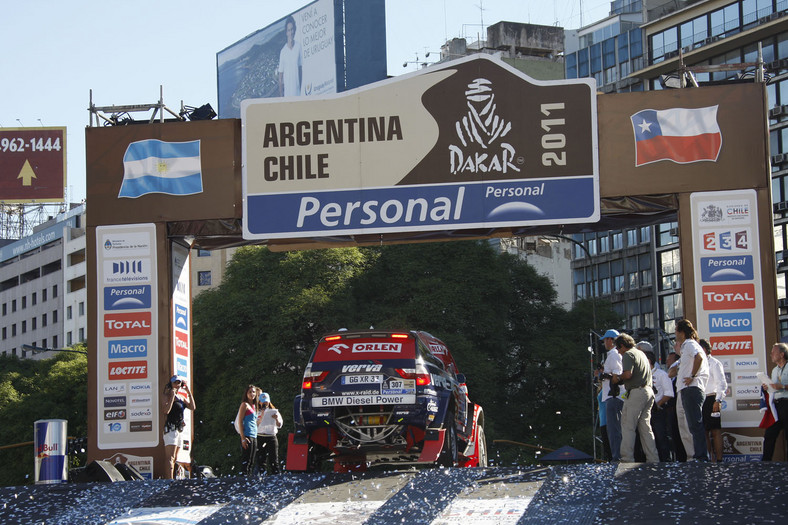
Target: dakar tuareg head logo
{"x": 480, "y": 132}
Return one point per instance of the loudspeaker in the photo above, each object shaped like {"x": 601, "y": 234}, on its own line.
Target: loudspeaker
{"x": 99, "y": 470}
{"x": 128, "y": 472}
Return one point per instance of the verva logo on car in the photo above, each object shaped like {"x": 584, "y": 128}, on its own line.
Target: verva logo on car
{"x": 728, "y": 297}
{"x": 731, "y": 345}
{"x": 128, "y": 370}
{"x": 127, "y": 324}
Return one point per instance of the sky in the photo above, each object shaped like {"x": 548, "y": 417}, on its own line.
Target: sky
{"x": 56, "y": 52}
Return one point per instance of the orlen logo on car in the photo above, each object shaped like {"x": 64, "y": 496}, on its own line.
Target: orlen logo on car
{"x": 394, "y": 348}
{"x": 731, "y": 345}
{"x": 181, "y": 343}
{"x": 728, "y": 296}
{"x": 127, "y": 324}
{"x": 128, "y": 370}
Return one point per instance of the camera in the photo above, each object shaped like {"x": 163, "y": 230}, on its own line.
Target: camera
{"x": 615, "y": 390}
{"x": 604, "y": 376}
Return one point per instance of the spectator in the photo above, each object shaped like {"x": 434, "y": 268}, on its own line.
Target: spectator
{"x": 677, "y": 447}
{"x": 663, "y": 394}
{"x": 246, "y": 426}
{"x": 611, "y": 395}
{"x": 269, "y": 421}
{"x": 636, "y": 413}
{"x": 693, "y": 374}
{"x": 712, "y": 405}
{"x": 778, "y": 389}
{"x": 177, "y": 398}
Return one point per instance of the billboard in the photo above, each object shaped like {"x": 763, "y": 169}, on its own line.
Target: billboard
{"x": 32, "y": 165}
{"x": 325, "y": 47}
{"x": 472, "y": 144}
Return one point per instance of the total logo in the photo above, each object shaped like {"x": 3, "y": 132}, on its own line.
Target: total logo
{"x": 731, "y": 345}
{"x": 728, "y": 296}
{"x": 141, "y": 413}
{"x": 127, "y": 324}
{"x": 731, "y": 241}
{"x": 128, "y": 370}
{"x": 181, "y": 342}
{"x": 114, "y": 388}
{"x": 733, "y": 322}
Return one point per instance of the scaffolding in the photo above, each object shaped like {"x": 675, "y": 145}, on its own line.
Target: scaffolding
{"x": 19, "y": 220}
{"x": 120, "y": 115}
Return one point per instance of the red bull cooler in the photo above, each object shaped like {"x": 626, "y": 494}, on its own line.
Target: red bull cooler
{"x": 51, "y": 441}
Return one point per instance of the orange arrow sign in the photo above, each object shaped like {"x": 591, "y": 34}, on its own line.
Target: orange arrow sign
{"x": 27, "y": 174}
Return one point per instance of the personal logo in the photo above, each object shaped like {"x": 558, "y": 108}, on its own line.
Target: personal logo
{"x": 482, "y": 132}
{"x": 728, "y": 296}
{"x": 181, "y": 317}
{"x": 125, "y": 348}
{"x": 127, "y": 324}
{"x": 127, "y": 297}
{"x": 726, "y": 268}
{"x": 122, "y": 370}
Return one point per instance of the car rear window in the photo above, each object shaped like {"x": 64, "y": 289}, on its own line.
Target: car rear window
{"x": 365, "y": 349}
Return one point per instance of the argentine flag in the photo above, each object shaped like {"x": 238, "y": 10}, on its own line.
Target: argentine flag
{"x": 155, "y": 166}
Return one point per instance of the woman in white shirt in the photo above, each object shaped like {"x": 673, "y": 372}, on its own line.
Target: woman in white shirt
{"x": 269, "y": 421}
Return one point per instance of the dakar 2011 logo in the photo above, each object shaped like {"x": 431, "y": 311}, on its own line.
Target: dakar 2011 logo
{"x": 481, "y": 131}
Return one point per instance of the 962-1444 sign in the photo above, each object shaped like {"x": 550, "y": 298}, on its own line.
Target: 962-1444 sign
{"x": 32, "y": 164}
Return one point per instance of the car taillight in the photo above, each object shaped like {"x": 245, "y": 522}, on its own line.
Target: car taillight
{"x": 421, "y": 376}
{"x": 311, "y": 379}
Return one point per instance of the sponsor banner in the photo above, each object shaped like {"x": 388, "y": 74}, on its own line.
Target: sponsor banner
{"x": 379, "y": 399}
{"x": 731, "y": 345}
{"x": 181, "y": 317}
{"x": 127, "y": 271}
{"x": 114, "y": 401}
{"x": 182, "y": 367}
{"x": 747, "y": 378}
{"x": 120, "y": 370}
{"x": 726, "y": 241}
{"x": 127, "y": 297}
{"x": 127, "y": 324}
{"x": 140, "y": 413}
{"x": 128, "y": 348}
{"x": 733, "y": 322}
{"x": 127, "y": 331}
{"x": 166, "y": 515}
{"x": 114, "y": 388}
{"x": 747, "y": 391}
{"x": 143, "y": 464}
{"x": 730, "y": 268}
{"x": 749, "y": 404}
{"x": 141, "y": 426}
{"x": 394, "y": 348}
{"x": 728, "y": 297}
{"x": 742, "y": 446}
{"x": 747, "y": 363}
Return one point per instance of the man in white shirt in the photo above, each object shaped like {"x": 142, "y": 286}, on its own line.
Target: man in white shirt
{"x": 663, "y": 393}
{"x": 613, "y": 403}
{"x": 712, "y": 406}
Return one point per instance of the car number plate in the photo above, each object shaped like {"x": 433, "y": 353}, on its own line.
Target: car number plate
{"x": 365, "y": 379}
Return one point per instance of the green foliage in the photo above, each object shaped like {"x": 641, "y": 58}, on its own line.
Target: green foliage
{"x": 30, "y": 390}
{"x": 525, "y": 357}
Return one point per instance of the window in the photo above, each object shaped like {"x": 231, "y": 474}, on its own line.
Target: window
{"x": 204, "y": 278}
{"x": 623, "y": 47}
{"x": 33, "y": 323}
{"x": 54, "y": 341}
{"x": 670, "y": 270}
{"x": 667, "y": 233}
{"x": 4, "y": 333}
{"x": 81, "y": 334}
{"x": 54, "y": 316}
{"x": 33, "y": 299}
{"x": 44, "y": 294}
{"x": 24, "y": 327}
{"x": 82, "y": 308}
{"x": 582, "y": 63}
{"x": 69, "y": 314}
{"x": 5, "y": 308}
{"x": 13, "y": 330}
{"x": 54, "y": 291}
{"x": 69, "y": 339}
{"x": 43, "y": 319}
{"x": 636, "y": 43}
{"x": 618, "y": 240}
{"x": 203, "y": 253}
{"x": 571, "y": 65}
{"x": 632, "y": 237}
{"x": 604, "y": 244}
{"x": 13, "y": 305}
{"x": 596, "y": 58}
{"x": 609, "y": 53}
{"x": 24, "y": 302}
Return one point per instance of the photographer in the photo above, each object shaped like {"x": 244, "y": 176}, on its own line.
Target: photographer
{"x": 177, "y": 398}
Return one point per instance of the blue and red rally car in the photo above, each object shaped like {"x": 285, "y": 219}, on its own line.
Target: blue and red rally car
{"x": 373, "y": 397}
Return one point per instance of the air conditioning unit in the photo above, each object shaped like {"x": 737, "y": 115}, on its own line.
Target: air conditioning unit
{"x": 672, "y": 54}
{"x": 783, "y": 303}
{"x": 674, "y": 232}
{"x": 776, "y": 111}
{"x": 778, "y": 159}
{"x": 774, "y": 16}
{"x": 763, "y": 19}
{"x": 780, "y": 206}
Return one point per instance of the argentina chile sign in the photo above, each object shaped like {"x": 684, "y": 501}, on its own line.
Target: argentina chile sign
{"x": 470, "y": 144}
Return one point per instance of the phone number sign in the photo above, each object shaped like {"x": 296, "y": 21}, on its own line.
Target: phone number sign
{"x": 32, "y": 164}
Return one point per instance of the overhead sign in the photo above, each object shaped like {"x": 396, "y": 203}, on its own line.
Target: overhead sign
{"x": 472, "y": 144}
{"x": 32, "y": 164}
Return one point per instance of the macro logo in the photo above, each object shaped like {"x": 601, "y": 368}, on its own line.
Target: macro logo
{"x": 182, "y": 367}
{"x": 127, "y": 324}
{"x": 115, "y": 426}
{"x": 726, "y": 241}
{"x": 125, "y": 348}
{"x": 114, "y": 401}
{"x": 733, "y": 322}
{"x": 726, "y": 268}
{"x": 182, "y": 317}
{"x": 728, "y": 297}
{"x": 731, "y": 345}
{"x": 120, "y": 370}
{"x": 127, "y": 297}
{"x": 181, "y": 342}
{"x": 111, "y": 415}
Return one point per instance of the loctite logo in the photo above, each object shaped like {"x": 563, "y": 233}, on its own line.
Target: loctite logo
{"x": 127, "y": 324}
{"x": 731, "y": 345}
{"x": 128, "y": 370}
{"x": 728, "y": 296}
{"x": 181, "y": 343}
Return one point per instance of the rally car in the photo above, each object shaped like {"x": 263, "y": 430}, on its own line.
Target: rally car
{"x": 376, "y": 396}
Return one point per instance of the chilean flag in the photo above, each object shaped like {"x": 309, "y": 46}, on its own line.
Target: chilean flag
{"x": 679, "y": 134}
